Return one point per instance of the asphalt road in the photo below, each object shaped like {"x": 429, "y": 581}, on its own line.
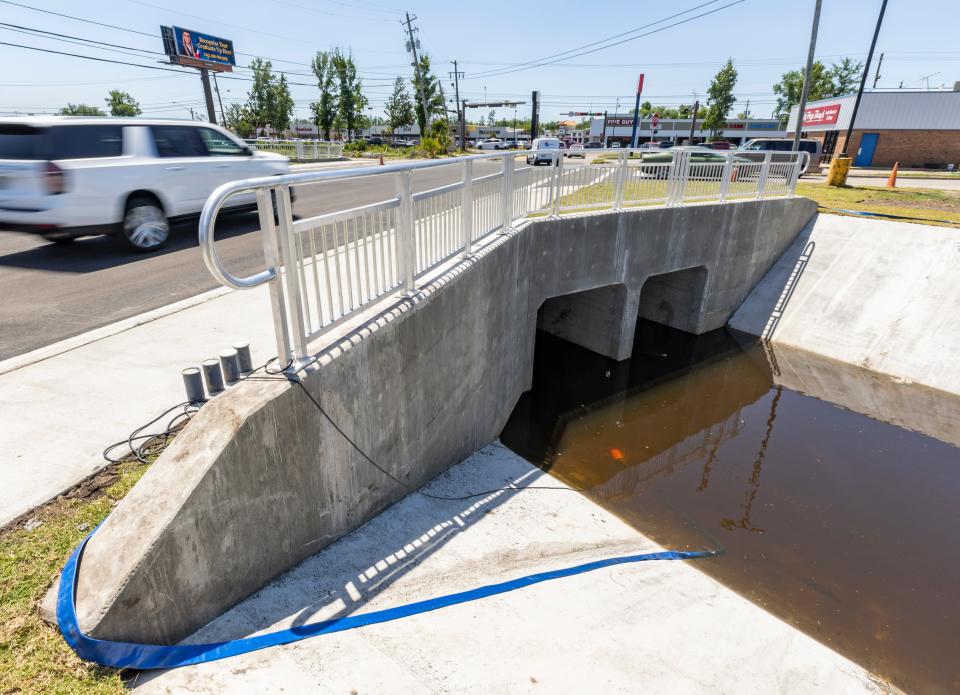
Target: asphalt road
{"x": 52, "y": 292}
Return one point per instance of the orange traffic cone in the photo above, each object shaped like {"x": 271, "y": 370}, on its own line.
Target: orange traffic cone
{"x": 892, "y": 181}
{"x": 381, "y": 159}
{"x": 733, "y": 175}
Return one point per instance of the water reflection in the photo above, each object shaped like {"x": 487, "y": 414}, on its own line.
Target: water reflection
{"x": 839, "y": 523}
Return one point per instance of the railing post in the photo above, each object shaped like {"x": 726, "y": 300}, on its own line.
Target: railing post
{"x": 556, "y": 187}
{"x": 291, "y": 265}
{"x": 620, "y": 178}
{"x": 405, "y": 236}
{"x": 466, "y": 208}
{"x": 271, "y": 254}
{"x": 725, "y": 178}
{"x": 508, "y": 165}
{"x": 798, "y": 167}
{"x": 764, "y": 171}
{"x": 299, "y": 145}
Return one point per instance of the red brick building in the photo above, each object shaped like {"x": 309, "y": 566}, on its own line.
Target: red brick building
{"x": 917, "y": 129}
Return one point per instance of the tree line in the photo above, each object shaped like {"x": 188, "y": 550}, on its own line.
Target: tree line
{"x": 119, "y": 103}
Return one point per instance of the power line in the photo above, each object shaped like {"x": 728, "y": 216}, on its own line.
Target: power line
{"x": 609, "y": 45}
{"x": 332, "y": 14}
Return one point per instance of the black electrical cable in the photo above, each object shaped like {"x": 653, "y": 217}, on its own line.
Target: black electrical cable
{"x": 148, "y": 442}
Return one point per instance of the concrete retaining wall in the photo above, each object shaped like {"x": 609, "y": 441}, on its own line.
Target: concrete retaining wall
{"x": 879, "y": 295}
{"x": 260, "y": 479}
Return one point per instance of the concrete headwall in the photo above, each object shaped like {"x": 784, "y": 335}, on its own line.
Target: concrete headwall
{"x": 260, "y": 480}
{"x": 879, "y": 295}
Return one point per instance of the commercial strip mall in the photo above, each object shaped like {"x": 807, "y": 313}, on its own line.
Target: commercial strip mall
{"x": 920, "y": 130}
{"x": 618, "y": 127}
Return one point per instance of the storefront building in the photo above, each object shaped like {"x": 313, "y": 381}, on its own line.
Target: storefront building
{"x": 618, "y": 127}
{"x": 917, "y": 129}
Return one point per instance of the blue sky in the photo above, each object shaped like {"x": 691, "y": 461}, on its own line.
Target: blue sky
{"x": 764, "y": 38}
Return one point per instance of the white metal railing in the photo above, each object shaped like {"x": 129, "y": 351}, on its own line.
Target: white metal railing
{"x": 300, "y": 150}
{"x": 323, "y": 269}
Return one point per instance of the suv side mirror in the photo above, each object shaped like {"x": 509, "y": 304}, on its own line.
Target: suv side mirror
{"x": 247, "y": 150}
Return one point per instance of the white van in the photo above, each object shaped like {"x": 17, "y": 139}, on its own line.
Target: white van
{"x": 67, "y": 177}
{"x": 543, "y": 151}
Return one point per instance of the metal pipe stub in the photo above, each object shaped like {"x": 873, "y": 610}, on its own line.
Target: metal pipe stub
{"x": 243, "y": 353}
{"x": 230, "y": 365}
{"x": 212, "y": 376}
{"x": 193, "y": 385}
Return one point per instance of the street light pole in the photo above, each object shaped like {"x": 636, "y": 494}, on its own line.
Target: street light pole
{"x": 806, "y": 77}
{"x": 412, "y": 46}
{"x": 863, "y": 80}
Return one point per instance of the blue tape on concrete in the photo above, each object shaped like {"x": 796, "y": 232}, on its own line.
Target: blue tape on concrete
{"x": 153, "y": 656}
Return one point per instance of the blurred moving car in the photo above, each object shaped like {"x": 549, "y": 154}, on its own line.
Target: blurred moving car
{"x": 719, "y": 145}
{"x": 67, "y": 177}
{"x": 576, "y": 151}
{"x": 782, "y": 149}
{"x": 656, "y": 164}
{"x": 652, "y": 145}
{"x": 544, "y": 151}
{"x": 402, "y": 143}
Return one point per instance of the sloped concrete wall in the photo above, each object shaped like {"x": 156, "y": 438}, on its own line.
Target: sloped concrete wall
{"x": 876, "y": 294}
{"x": 261, "y": 480}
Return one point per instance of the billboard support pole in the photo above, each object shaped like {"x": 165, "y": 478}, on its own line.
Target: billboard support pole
{"x": 805, "y": 92}
{"x": 208, "y": 95}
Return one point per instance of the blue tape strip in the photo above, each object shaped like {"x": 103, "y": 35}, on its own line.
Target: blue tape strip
{"x": 153, "y": 656}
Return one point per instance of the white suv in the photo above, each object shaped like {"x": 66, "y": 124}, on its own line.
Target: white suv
{"x": 64, "y": 177}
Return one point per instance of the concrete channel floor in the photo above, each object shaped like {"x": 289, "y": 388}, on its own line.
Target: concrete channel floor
{"x": 653, "y": 627}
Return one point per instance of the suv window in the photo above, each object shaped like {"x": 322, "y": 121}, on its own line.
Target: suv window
{"x": 178, "y": 141}
{"x": 86, "y": 141}
{"x": 21, "y": 142}
{"x": 219, "y": 145}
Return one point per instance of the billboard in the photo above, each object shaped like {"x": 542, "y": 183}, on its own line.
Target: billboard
{"x": 821, "y": 115}
{"x": 193, "y": 46}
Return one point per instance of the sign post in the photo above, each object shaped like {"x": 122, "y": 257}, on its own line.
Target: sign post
{"x": 636, "y": 112}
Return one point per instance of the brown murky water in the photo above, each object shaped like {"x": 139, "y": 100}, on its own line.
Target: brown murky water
{"x": 839, "y": 523}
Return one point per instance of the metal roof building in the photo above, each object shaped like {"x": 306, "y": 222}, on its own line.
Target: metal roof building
{"x": 916, "y": 129}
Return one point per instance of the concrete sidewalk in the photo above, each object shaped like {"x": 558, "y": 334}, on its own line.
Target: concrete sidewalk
{"x": 63, "y": 404}
{"x": 652, "y": 627}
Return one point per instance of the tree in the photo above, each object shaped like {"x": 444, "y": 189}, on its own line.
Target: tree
{"x": 324, "y": 110}
{"x": 281, "y": 105}
{"x": 720, "y": 98}
{"x": 81, "y": 110}
{"x": 238, "y": 119}
{"x": 399, "y": 107}
{"x": 492, "y": 118}
{"x": 840, "y": 79}
{"x": 431, "y": 92}
{"x": 351, "y": 101}
{"x": 845, "y": 76}
{"x": 646, "y": 109}
{"x": 261, "y": 94}
{"x": 122, "y": 104}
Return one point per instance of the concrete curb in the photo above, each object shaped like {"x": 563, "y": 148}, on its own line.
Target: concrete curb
{"x": 77, "y": 341}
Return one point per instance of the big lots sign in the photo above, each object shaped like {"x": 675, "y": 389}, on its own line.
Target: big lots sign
{"x": 821, "y": 115}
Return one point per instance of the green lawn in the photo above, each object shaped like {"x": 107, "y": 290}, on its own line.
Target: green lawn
{"x": 33, "y": 656}
{"x": 925, "y": 206}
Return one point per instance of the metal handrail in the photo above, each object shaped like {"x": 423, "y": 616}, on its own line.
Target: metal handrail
{"x": 323, "y": 269}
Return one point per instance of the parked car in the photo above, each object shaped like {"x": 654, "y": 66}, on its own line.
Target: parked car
{"x": 402, "y": 143}
{"x": 375, "y": 140}
{"x": 652, "y": 145}
{"x": 576, "y": 151}
{"x": 652, "y": 164}
{"x": 782, "y": 149}
{"x": 543, "y": 151}
{"x": 719, "y": 145}
{"x": 615, "y": 145}
{"x": 490, "y": 144}
{"x": 64, "y": 177}
{"x": 594, "y": 145}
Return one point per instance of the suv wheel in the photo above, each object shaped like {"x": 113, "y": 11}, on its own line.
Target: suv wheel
{"x": 145, "y": 227}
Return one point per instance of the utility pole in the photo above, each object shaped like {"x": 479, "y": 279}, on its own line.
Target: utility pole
{"x": 208, "y": 95}
{"x": 863, "y": 80}
{"x": 746, "y": 111}
{"x": 806, "y": 76}
{"x": 412, "y": 46}
{"x": 693, "y": 123}
{"x": 462, "y": 116}
{"x": 876, "y": 76}
{"x": 223, "y": 115}
{"x": 535, "y": 116}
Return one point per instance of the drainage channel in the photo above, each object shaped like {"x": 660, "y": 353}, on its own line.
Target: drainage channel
{"x": 843, "y": 525}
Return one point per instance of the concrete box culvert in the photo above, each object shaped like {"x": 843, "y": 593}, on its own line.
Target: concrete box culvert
{"x": 259, "y": 480}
